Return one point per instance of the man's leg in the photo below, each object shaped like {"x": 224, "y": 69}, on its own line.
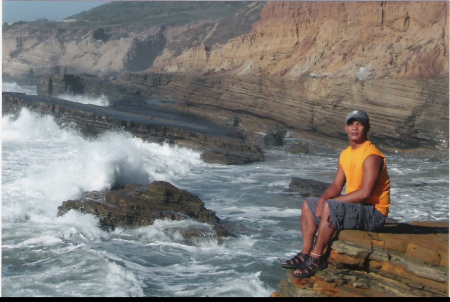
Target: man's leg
{"x": 326, "y": 231}
{"x": 309, "y": 228}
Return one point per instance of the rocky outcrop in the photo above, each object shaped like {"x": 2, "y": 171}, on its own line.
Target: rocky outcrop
{"x": 114, "y": 38}
{"x": 308, "y": 187}
{"x": 58, "y": 48}
{"x": 219, "y": 143}
{"x": 401, "y": 260}
{"x": 140, "y": 205}
{"x": 305, "y": 65}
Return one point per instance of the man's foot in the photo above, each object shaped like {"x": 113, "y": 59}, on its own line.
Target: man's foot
{"x": 295, "y": 262}
{"x": 310, "y": 267}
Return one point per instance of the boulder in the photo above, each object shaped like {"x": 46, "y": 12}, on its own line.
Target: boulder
{"x": 307, "y": 187}
{"x": 232, "y": 120}
{"x": 298, "y": 148}
{"x": 400, "y": 260}
{"x": 274, "y": 136}
{"x": 140, "y": 205}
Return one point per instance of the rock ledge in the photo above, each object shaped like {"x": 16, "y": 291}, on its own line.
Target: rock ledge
{"x": 401, "y": 260}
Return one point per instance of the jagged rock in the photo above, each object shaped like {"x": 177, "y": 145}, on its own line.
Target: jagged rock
{"x": 308, "y": 187}
{"x": 400, "y": 260}
{"x": 272, "y": 139}
{"x": 140, "y": 205}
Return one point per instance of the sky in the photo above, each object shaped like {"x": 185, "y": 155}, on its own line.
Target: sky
{"x": 14, "y": 10}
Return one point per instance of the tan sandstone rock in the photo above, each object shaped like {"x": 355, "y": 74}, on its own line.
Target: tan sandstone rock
{"x": 401, "y": 260}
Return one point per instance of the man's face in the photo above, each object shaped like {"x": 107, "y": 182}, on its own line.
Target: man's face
{"x": 356, "y": 132}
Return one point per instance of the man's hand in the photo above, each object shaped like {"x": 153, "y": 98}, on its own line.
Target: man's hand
{"x": 319, "y": 208}
{"x": 334, "y": 190}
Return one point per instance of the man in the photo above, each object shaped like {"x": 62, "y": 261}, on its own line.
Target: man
{"x": 365, "y": 205}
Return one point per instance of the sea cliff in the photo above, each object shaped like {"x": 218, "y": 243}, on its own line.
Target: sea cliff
{"x": 302, "y": 65}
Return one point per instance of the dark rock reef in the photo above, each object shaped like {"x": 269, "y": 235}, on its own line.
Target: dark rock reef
{"x": 220, "y": 143}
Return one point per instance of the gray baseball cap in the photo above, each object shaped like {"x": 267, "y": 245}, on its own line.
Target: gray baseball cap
{"x": 360, "y": 115}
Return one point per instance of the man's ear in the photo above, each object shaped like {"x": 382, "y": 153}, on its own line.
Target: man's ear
{"x": 367, "y": 128}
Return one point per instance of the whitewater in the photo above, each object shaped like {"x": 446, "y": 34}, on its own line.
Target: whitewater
{"x": 49, "y": 256}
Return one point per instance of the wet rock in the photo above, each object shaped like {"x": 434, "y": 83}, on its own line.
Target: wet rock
{"x": 298, "y": 148}
{"x": 221, "y": 144}
{"x": 232, "y": 120}
{"x": 400, "y": 260}
{"x": 140, "y": 205}
{"x": 274, "y": 136}
{"x": 307, "y": 187}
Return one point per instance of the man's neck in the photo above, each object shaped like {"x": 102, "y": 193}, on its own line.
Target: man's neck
{"x": 356, "y": 145}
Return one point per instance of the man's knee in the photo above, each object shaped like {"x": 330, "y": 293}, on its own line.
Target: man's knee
{"x": 305, "y": 204}
{"x": 326, "y": 208}
{"x": 305, "y": 209}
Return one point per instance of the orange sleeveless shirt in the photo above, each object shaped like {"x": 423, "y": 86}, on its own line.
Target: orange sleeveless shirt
{"x": 352, "y": 163}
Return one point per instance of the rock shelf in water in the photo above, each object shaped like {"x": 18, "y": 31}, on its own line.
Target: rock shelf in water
{"x": 140, "y": 205}
{"x": 219, "y": 143}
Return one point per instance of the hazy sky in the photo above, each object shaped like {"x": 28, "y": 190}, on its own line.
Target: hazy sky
{"x": 13, "y": 11}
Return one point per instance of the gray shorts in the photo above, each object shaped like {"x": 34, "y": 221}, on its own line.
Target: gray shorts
{"x": 350, "y": 216}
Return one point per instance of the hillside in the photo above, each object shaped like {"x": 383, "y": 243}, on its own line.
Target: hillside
{"x": 159, "y": 13}
{"x": 120, "y": 36}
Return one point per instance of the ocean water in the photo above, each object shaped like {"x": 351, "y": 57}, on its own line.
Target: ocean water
{"x": 46, "y": 255}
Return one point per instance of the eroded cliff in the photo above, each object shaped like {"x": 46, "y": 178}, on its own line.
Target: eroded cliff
{"x": 351, "y": 39}
{"x": 304, "y": 65}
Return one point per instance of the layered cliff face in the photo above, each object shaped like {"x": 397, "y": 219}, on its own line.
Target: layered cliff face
{"x": 98, "y": 51}
{"x": 400, "y": 260}
{"x": 305, "y": 65}
{"x": 353, "y": 39}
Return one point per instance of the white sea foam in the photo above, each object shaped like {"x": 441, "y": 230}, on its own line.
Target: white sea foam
{"x": 14, "y": 87}
{"x": 58, "y": 164}
{"x": 99, "y": 101}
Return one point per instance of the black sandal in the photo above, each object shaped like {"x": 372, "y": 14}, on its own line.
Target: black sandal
{"x": 310, "y": 267}
{"x": 295, "y": 262}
